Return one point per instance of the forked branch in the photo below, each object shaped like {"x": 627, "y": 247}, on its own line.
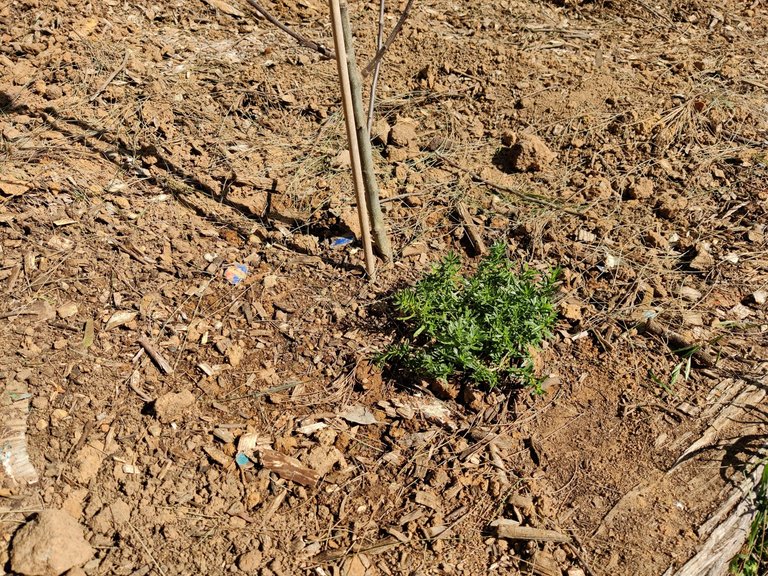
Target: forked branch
{"x": 327, "y": 52}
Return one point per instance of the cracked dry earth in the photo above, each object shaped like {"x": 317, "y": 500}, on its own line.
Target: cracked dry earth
{"x": 187, "y": 346}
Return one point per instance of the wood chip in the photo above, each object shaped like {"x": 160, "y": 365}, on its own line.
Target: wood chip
{"x": 288, "y": 468}
{"x": 120, "y": 318}
{"x": 428, "y": 499}
{"x": 511, "y": 530}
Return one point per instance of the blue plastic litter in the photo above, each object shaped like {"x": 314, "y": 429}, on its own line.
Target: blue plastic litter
{"x": 342, "y": 241}
{"x": 236, "y": 273}
{"x": 242, "y": 460}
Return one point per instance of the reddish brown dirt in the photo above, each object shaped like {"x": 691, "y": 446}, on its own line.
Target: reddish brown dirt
{"x": 146, "y": 149}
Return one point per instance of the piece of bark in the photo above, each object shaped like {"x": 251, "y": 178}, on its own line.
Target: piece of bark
{"x": 513, "y": 531}
{"x": 288, "y": 468}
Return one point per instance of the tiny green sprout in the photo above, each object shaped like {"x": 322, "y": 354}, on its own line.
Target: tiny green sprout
{"x": 481, "y": 328}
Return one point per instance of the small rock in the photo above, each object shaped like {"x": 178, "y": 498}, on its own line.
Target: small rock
{"x": 756, "y": 234}
{"x": 692, "y": 319}
{"x": 403, "y": 134}
{"x": 342, "y": 160}
{"x": 598, "y": 188}
{"x": 668, "y": 205}
{"x": 353, "y": 567}
{"x": 380, "y": 131}
{"x": 544, "y": 564}
{"x": 170, "y": 406}
{"x": 641, "y": 189}
{"x": 250, "y": 561}
{"x": 760, "y": 296}
{"x": 53, "y": 92}
{"x": 323, "y": 458}
{"x": 741, "y": 312}
{"x": 89, "y": 461}
{"x": 22, "y": 376}
{"x": 571, "y": 310}
{"x": 121, "y": 512}
{"x": 351, "y": 220}
{"x": 67, "y": 310}
{"x": 531, "y": 154}
{"x": 690, "y": 294}
{"x": 441, "y": 144}
{"x": 415, "y": 249}
{"x": 703, "y": 259}
{"x": 235, "y": 354}
{"x": 49, "y": 545}
{"x": 655, "y": 240}
{"x": 444, "y": 389}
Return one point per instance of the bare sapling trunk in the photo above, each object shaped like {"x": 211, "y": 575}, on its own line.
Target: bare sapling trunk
{"x": 380, "y": 237}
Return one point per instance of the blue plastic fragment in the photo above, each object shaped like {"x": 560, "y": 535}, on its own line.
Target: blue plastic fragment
{"x": 241, "y": 459}
{"x": 342, "y": 241}
{"x": 236, "y": 273}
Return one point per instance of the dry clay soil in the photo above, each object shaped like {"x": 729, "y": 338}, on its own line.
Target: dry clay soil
{"x": 185, "y": 422}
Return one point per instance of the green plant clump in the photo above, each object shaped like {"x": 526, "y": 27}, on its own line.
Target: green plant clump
{"x": 482, "y": 328}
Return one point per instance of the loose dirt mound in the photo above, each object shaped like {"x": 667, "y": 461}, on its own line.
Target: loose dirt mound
{"x": 188, "y": 344}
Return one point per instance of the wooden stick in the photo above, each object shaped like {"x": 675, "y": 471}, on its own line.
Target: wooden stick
{"x": 111, "y": 77}
{"x": 155, "y": 354}
{"x": 473, "y": 233}
{"x": 354, "y": 152}
{"x": 380, "y": 237}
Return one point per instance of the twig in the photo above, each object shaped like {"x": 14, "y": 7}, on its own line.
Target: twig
{"x": 155, "y": 354}
{"x": 280, "y": 388}
{"x": 354, "y": 152}
{"x": 391, "y": 38}
{"x": 143, "y": 545}
{"x": 376, "y": 69}
{"x": 111, "y": 77}
{"x": 522, "y": 195}
{"x": 302, "y": 40}
{"x": 473, "y": 233}
{"x": 653, "y": 11}
{"x": 677, "y": 343}
{"x": 19, "y": 313}
{"x": 364, "y": 145}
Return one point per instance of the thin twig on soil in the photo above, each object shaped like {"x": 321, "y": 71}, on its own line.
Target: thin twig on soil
{"x": 522, "y": 195}
{"x": 302, "y": 40}
{"x": 653, "y": 11}
{"x": 111, "y": 77}
{"x": 280, "y": 388}
{"x": 678, "y": 343}
{"x": 391, "y": 38}
{"x": 146, "y": 549}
